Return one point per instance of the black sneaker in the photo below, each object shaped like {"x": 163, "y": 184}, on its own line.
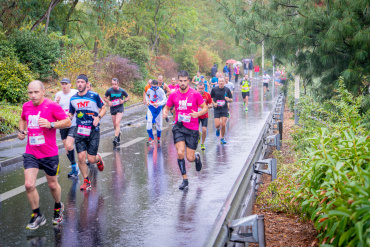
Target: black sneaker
{"x": 119, "y": 138}
{"x": 36, "y": 221}
{"x": 167, "y": 119}
{"x": 184, "y": 184}
{"x": 198, "y": 162}
{"x": 115, "y": 141}
{"x": 58, "y": 215}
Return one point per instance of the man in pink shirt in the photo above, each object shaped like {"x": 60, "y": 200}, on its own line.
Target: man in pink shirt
{"x": 39, "y": 120}
{"x": 185, "y": 132}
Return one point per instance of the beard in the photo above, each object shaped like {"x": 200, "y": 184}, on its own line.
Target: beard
{"x": 184, "y": 87}
{"x": 81, "y": 88}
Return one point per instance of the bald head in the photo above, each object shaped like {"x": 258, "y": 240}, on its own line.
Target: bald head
{"x": 36, "y": 92}
{"x": 36, "y": 83}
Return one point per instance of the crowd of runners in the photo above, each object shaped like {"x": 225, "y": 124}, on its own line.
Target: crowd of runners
{"x": 77, "y": 114}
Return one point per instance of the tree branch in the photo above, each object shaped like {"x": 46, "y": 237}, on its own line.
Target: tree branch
{"x": 288, "y": 6}
{"x": 53, "y": 4}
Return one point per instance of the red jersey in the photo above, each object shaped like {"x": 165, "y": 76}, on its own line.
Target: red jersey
{"x": 208, "y": 100}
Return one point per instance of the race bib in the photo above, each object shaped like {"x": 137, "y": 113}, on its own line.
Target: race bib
{"x": 220, "y": 102}
{"x": 184, "y": 118}
{"x": 115, "y": 102}
{"x": 199, "y": 109}
{"x": 84, "y": 130}
{"x": 37, "y": 140}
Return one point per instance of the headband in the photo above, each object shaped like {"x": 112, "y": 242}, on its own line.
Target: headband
{"x": 83, "y": 77}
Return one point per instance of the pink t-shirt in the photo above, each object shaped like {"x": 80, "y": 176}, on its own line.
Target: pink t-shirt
{"x": 41, "y": 142}
{"x": 173, "y": 88}
{"x": 184, "y": 104}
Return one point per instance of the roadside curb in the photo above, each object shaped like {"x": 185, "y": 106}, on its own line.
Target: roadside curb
{"x": 19, "y": 158}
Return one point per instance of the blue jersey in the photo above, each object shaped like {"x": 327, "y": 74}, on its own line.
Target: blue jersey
{"x": 85, "y": 107}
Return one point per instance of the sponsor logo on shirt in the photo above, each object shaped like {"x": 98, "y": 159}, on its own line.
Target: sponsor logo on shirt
{"x": 183, "y": 104}
{"x": 82, "y": 104}
{"x": 33, "y": 121}
{"x": 80, "y": 115}
{"x": 115, "y": 95}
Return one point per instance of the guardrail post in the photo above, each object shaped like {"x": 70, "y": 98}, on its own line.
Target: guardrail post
{"x": 261, "y": 230}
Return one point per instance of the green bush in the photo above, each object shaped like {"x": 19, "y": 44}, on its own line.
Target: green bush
{"x": 134, "y": 48}
{"x": 9, "y": 117}
{"x": 186, "y": 60}
{"x": 7, "y": 49}
{"x": 14, "y": 78}
{"x": 35, "y": 49}
{"x": 139, "y": 87}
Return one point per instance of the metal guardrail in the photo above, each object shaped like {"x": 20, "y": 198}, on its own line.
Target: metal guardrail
{"x": 230, "y": 223}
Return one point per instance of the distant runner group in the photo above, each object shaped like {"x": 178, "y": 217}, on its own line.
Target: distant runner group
{"x": 77, "y": 114}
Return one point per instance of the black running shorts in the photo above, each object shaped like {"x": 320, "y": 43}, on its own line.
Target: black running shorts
{"x": 265, "y": 84}
{"x": 245, "y": 94}
{"x": 116, "y": 109}
{"x": 181, "y": 133}
{"x": 67, "y": 132}
{"x": 50, "y": 165}
{"x": 203, "y": 122}
{"x": 88, "y": 143}
{"x": 221, "y": 112}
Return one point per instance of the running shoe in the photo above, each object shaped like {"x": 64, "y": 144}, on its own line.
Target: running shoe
{"x": 58, "y": 215}
{"x": 229, "y": 115}
{"x": 167, "y": 119}
{"x": 86, "y": 185}
{"x": 150, "y": 141}
{"x": 173, "y": 122}
{"x": 217, "y": 132}
{"x": 246, "y": 109}
{"x": 36, "y": 221}
{"x": 223, "y": 141}
{"x": 184, "y": 184}
{"x": 158, "y": 139}
{"x": 202, "y": 147}
{"x": 119, "y": 137}
{"x": 244, "y": 102}
{"x": 100, "y": 163}
{"x": 115, "y": 141}
{"x": 198, "y": 162}
{"x": 75, "y": 172}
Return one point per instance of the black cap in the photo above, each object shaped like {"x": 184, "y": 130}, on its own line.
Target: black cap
{"x": 66, "y": 80}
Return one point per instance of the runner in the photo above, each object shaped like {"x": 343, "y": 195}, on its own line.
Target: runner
{"x": 114, "y": 98}
{"x": 220, "y": 95}
{"x": 155, "y": 99}
{"x": 63, "y": 98}
{"x": 214, "y": 80}
{"x": 39, "y": 120}
{"x": 246, "y": 85}
{"x": 230, "y": 86}
{"x": 265, "y": 80}
{"x": 173, "y": 87}
{"x": 186, "y": 130}
{"x": 202, "y": 79}
{"x": 147, "y": 86}
{"x": 89, "y": 108}
{"x": 203, "y": 119}
{"x": 196, "y": 79}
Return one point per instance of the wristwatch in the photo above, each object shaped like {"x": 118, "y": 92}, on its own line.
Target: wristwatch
{"x": 52, "y": 125}
{"x": 99, "y": 116}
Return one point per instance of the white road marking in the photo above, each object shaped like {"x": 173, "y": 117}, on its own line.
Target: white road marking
{"x": 9, "y": 194}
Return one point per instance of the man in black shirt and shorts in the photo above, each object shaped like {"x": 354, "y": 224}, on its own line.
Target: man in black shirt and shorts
{"x": 114, "y": 98}
{"x": 221, "y": 95}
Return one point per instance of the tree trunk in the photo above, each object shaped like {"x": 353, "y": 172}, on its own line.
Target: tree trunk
{"x": 48, "y": 18}
{"x": 64, "y": 30}
{"x": 53, "y": 3}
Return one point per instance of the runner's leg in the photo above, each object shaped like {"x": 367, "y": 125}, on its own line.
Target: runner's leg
{"x": 54, "y": 187}
{"x": 114, "y": 124}
{"x": 223, "y": 126}
{"x": 204, "y": 134}
{"x": 82, "y": 163}
{"x": 217, "y": 123}
{"x": 149, "y": 124}
{"x": 180, "y": 147}
{"x": 118, "y": 123}
{"x": 30, "y": 176}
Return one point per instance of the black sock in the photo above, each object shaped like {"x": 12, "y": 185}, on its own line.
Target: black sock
{"x": 87, "y": 178}
{"x": 182, "y": 166}
{"x": 71, "y": 156}
{"x": 37, "y": 211}
{"x": 58, "y": 205}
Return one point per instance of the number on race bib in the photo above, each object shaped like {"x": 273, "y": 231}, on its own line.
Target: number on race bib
{"x": 84, "y": 130}
{"x": 115, "y": 102}
{"x": 220, "y": 102}
{"x": 184, "y": 118}
{"x": 37, "y": 140}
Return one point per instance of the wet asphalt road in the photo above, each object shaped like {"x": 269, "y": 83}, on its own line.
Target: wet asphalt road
{"x": 135, "y": 201}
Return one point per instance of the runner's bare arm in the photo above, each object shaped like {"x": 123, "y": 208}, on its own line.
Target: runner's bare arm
{"x": 144, "y": 97}
{"x": 126, "y": 99}
{"x": 102, "y": 111}
{"x": 204, "y": 110}
{"x": 165, "y": 111}
{"x": 22, "y": 129}
{"x": 61, "y": 124}
{"x": 167, "y": 89}
{"x": 107, "y": 101}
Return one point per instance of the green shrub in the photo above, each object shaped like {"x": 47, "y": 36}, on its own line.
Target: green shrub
{"x": 14, "y": 78}
{"x": 36, "y": 49}
{"x": 186, "y": 60}
{"x": 7, "y": 49}
{"x": 9, "y": 117}
{"x": 134, "y": 48}
{"x": 139, "y": 87}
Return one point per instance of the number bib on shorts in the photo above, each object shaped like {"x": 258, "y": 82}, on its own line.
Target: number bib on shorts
{"x": 37, "y": 140}
{"x": 184, "y": 118}
{"x": 220, "y": 102}
{"x": 115, "y": 102}
{"x": 84, "y": 130}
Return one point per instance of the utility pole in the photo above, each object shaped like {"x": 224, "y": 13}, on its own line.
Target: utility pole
{"x": 263, "y": 57}
{"x": 296, "y": 99}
